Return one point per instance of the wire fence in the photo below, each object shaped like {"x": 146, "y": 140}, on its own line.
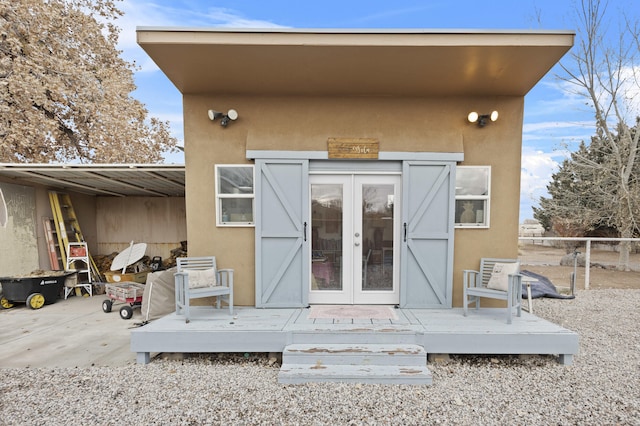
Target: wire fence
{"x": 571, "y": 260}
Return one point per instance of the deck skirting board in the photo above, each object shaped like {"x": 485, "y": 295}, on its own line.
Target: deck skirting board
{"x": 514, "y": 344}
{"x": 212, "y": 341}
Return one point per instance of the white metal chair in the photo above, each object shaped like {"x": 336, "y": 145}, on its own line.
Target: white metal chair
{"x": 476, "y": 284}
{"x": 198, "y": 277}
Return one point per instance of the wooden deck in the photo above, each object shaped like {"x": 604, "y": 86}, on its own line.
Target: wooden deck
{"x": 438, "y": 331}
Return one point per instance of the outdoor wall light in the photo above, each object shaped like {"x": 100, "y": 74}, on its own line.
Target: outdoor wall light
{"x": 482, "y": 119}
{"x": 231, "y": 115}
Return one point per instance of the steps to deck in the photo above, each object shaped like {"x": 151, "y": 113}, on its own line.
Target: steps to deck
{"x": 356, "y": 363}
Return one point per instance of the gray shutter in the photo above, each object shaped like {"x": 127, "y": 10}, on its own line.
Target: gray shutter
{"x": 282, "y": 248}
{"x": 427, "y": 234}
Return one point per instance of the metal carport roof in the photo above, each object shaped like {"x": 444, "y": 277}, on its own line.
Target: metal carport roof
{"x": 119, "y": 180}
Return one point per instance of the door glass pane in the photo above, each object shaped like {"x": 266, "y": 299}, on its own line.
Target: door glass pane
{"x": 326, "y": 236}
{"x": 377, "y": 237}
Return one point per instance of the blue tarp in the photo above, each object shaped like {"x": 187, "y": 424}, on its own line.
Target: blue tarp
{"x": 542, "y": 288}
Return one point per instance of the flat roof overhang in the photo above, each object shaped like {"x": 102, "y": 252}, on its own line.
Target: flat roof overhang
{"x": 117, "y": 180}
{"x": 354, "y": 62}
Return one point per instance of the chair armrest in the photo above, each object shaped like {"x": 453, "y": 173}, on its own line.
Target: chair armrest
{"x": 470, "y": 278}
{"x": 515, "y": 283}
{"x": 181, "y": 283}
{"x": 225, "y": 277}
{"x": 182, "y": 278}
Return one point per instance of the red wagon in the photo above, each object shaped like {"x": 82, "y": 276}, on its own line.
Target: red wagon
{"x": 129, "y": 293}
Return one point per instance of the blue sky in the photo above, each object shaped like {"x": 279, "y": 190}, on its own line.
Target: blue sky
{"x": 554, "y": 120}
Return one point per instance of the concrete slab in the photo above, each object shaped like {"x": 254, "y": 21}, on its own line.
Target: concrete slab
{"x": 68, "y": 333}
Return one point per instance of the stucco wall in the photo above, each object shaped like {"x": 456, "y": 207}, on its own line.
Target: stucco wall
{"x": 499, "y": 145}
{"x": 18, "y": 243}
{"x": 305, "y": 123}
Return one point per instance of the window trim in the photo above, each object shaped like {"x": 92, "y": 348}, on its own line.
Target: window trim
{"x": 219, "y": 197}
{"x": 486, "y": 198}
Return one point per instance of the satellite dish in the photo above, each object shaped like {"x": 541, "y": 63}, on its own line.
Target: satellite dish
{"x": 128, "y": 256}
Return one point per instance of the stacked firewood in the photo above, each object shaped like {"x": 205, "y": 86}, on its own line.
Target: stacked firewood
{"x": 175, "y": 253}
{"x": 103, "y": 261}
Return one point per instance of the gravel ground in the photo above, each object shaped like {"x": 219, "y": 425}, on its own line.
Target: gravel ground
{"x": 602, "y": 387}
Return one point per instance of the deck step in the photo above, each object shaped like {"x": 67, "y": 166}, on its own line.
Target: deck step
{"x": 355, "y": 363}
{"x": 355, "y": 354}
{"x": 371, "y": 374}
{"x": 359, "y": 335}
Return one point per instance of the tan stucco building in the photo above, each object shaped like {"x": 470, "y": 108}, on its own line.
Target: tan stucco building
{"x": 352, "y": 173}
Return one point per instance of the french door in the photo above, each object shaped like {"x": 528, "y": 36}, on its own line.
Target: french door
{"x": 355, "y": 229}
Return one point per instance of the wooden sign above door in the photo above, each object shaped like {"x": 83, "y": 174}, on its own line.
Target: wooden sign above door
{"x": 353, "y": 148}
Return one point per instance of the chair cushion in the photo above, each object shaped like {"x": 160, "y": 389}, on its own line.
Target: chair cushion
{"x": 500, "y": 275}
{"x": 203, "y": 278}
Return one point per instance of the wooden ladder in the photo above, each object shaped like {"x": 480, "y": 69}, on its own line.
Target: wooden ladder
{"x": 52, "y": 244}
{"x": 68, "y": 228}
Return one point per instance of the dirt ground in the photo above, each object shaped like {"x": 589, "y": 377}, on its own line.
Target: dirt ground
{"x": 545, "y": 260}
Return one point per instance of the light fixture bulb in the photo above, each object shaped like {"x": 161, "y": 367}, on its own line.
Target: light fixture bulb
{"x": 472, "y": 117}
{"x": 232, "y": 114}
{"x": 494, "y": 116}
{"x": 213, "y": 114}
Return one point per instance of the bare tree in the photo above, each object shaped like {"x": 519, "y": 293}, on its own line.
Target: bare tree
{"x": 604, "y": 69}
{"x": 65, "y": 92}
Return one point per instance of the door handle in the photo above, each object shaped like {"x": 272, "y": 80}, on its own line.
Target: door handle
{"x": 304, "y": 232}
{"x": 405, "y": 232}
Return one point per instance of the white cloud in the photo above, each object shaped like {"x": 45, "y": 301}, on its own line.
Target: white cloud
{"x": 537, "y": 169}
{"x": 549, "y": 126}
{"x": 150, "y": 14}
{"x": 573, "y": 99}
{"x": 553, "y": 96}
{"x": 555, "y": 118}
{"x": 631, "y": 90}
{"x": 548, "y": 135}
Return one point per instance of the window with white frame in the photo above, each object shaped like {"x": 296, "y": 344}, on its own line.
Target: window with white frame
{"x": 234, "y": 195}
{"x": 473, "y": 185}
